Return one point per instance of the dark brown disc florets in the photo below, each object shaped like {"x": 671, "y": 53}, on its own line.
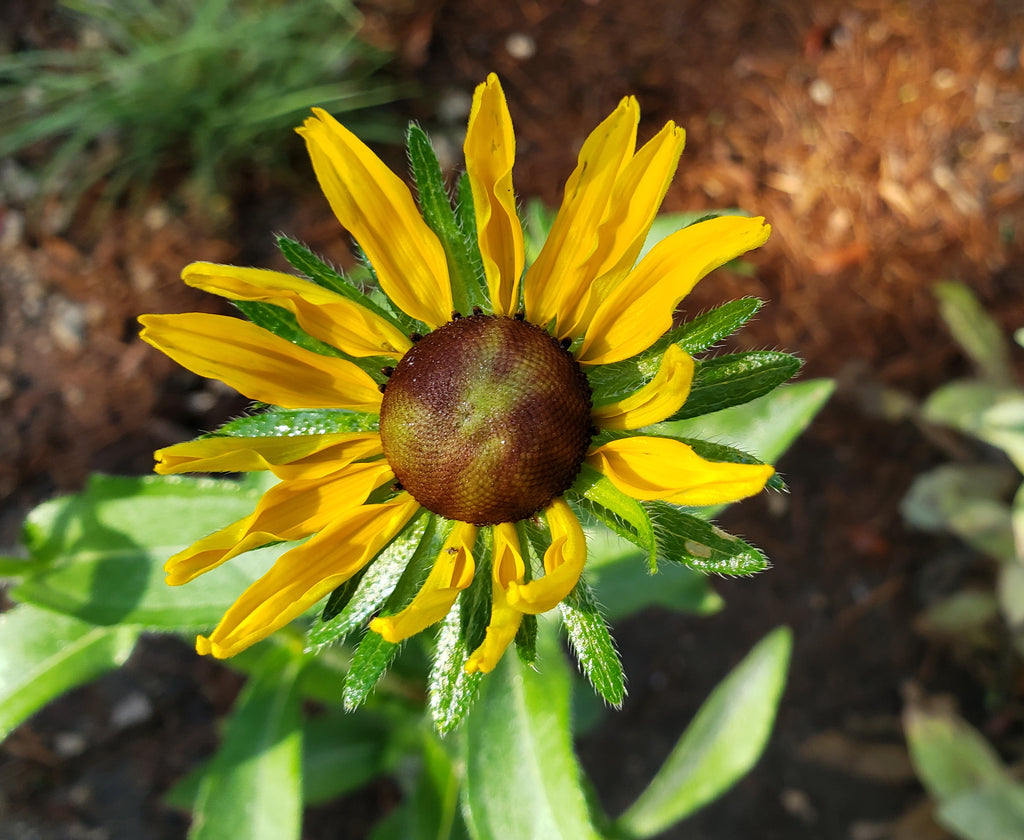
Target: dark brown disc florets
{"x": 486, "y": 420}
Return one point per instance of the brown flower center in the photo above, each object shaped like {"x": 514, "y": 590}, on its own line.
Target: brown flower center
{"x": 486, "y": 420}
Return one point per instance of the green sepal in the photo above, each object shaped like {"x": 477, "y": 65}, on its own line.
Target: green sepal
{"x": 684, "y": 538}
{"x": 306, "y": 262}
{"x": 284, "y": 325}
{"x": 451, "y": 690}
{"x": 614, "y": 381}
{"x": 735, "y": 379}
{"x": 420, "y": 564}
{"x": 371, "y": 659}
{"x": 342, "y": 596}
{"x": 467, "y": 290}
{"x": 526, "y": 640}
{"x": 624, "y": 515}
{"x": 377, "y": 584}
{"x": 465, "y": 214}
{"x": 592, "y": 644}
{"x": 287, "y": 422}
{"x": 476, "y": 598}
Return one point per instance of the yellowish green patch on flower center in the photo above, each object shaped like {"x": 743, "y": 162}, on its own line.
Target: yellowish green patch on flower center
{"x": 486, "y": 420}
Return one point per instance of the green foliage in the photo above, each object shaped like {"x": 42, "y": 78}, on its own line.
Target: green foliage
{"x": 205, "y": 87}
{"x": 976, "y": 501}
{"x": 976, "y": 797}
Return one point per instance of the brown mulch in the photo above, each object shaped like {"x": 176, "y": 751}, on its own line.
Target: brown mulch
{"x": 885, "y": 144}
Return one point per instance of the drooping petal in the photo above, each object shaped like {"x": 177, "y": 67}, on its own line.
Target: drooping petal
{"x": 258, "y": 364}
{"x": 639, "y": 310}
{"x": 660, "y": 398}
{"x": 490, "y": 150}
{"x": 558, "y": 278}
{"x": 294, "y": 457}
{"x": 290, "y": 510}
{"x": 507, "y": 569}
{"x": 660, "y": 468}
{"x": 304, "y": 575}
{"x": 324, "y": 314}
{"x": 635, "y": 201}
{"x": 452, "y": 572}
{"x": 563, "y": 563}
{"x": 377, "y": 208}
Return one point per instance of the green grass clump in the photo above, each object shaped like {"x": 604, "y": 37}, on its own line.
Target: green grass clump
{"x": 207, "y": 89}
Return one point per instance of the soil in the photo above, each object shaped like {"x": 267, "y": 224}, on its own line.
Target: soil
{"x": 885, "y": 144}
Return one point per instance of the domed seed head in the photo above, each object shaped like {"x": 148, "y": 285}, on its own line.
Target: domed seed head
{"x": 486, "y": 420}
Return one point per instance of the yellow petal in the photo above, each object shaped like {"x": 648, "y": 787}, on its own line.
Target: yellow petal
{"x": 558, "y": 278}
{"x": 490, "y": 150}
{"x": 452, "y": 572}
{"x": 376, "y": 207}
{"x": 507, "y": 568}
{"x": 638, "y": 194}
{"x": 290, "y": 510}
{"x": 639, "y": 310}
{"x": 295, "y": 457}
{"x": 660, "y": 468}
{"x": 563, "y": 563}
{"x": 304, "y": 575}
{"x": 258, "y": 364}
{"x": 323, "y": 314}
{"x": 660, "y": 398}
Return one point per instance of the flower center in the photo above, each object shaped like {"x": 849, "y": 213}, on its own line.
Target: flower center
{"x": 486, "y": 420}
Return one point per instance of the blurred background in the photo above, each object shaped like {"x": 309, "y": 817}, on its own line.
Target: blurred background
{"x": 884, "y": 141}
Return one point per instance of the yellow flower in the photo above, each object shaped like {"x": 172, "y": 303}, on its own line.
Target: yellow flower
{"x": 487, "y": 418}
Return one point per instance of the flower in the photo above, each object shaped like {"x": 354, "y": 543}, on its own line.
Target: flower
{"x": 487, "y": 418}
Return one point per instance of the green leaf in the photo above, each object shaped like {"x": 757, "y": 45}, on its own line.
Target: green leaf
{"x": 371, "y": 660}
{"x": 764, "y": 427}
{"x": 280, "y": 422}
{"x": 522, "y": 779}
{"x": 988, "y": 412}
{"x": 103, "y": 551}
{"x": 253, "y": 788}
{"x": 43, "y": 654}
{"x": 451, "y": 690}
{"x": 721, "y": 744}
{"x": 683, "y": 538}
{"x": 467, "y": 290}
{"x": 734, "y": 379}
{"x": 975, "y": 331}
{"x": 592, "y": 644}
{"x": 985, "y": 813}
{"x": 967, "y": 500}
{"x": 950, "y": 756}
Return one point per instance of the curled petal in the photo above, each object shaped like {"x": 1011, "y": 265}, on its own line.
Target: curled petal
{"x": 660, "y": 468}
{"x": 662, "y": 397}
{"x": 563, "y": 563}
{"x": 490, "y": 150}
{"x": 452, "y": 572}
{"x": 258, "y": 364}
{"x": 558, "y": 278}
{"x": 639, "y": 310}
{"x": 323, "y": 314}
{"x": 294, "y": 457}
{"x": 304, "y": 575}
{"x": 507, "y": 569}
{"x": 376, "y": 207}
{"x": 290, "y": 510}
